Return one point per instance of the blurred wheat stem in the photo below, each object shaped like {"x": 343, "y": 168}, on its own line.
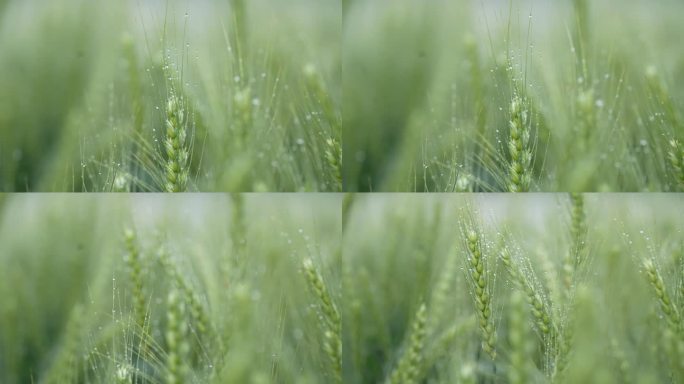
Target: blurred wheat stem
{"x": 408, "y": 368}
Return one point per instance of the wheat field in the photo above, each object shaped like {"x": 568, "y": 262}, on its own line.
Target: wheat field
{"x": 392, "y": 288}
{"x": 199, "y": 288}
{"x": 513, "y": 95}
{"x": 502, "y": 288}
{"x": 173, "y": 95}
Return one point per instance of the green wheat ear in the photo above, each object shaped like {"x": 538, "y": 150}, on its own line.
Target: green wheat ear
{"x": 136, "y": 276}
{"x": 177, "y": 153}
{"x": 65, "y": 367}
{"x": 578, "y": 233}
{"x": 676, "y": 157}
{"x": 482, "y": 290}
{"x": 667, "y": 306}
{"x": 519, "y": 146}
{"x": 332, "y": 324}
{"x": 408, "y": 369}
{"x": 333, "y": 147}
{"x": 198, "y": 313}
{"x": 539, "y": 308}
{"x": 176, "y": 339}
{"x": 333, "y": 154}
{"x": 519, "y": 338}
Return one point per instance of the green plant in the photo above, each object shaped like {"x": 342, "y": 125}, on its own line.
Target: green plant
{"x": 332, "y": 326}
{"x": 512, "y": 103}
{"x": 408, "y": 368}
{"x": 520, "y": 355}
{"x": 158, "y": 306}
{"x": 518, "y": 147}
{"x": 515, "y": 249}
{"x": 176, "y": 147}
{"x": 482, "y": 291}
{"x": 136, "y": 276}
{"x": 676, "y": 157}
{"x": 169, "y": 99}
{"x": 667, "y": 306}
{"x": 176, "y": 335}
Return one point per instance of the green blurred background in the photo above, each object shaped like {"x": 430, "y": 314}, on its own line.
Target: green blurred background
{"x": 401, "y": 250}
{"x": 428, "y": 88}
{"x": 66, "y": 313}
{"x": 84, "y": 85}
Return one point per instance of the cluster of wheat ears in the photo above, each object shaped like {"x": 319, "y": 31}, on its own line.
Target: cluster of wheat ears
{"x": 465, "y": 299}
{"x": 450, "y": 295}
{"x": 565, "y": 100}
{"x": 156, "y": 302}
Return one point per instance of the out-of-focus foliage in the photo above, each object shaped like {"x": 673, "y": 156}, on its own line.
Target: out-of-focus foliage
{"x": 581, "y": 307}
{"x": 152, "y": 289}
{"x": 84, "y": 90}
{"x": 429, "y": 87}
